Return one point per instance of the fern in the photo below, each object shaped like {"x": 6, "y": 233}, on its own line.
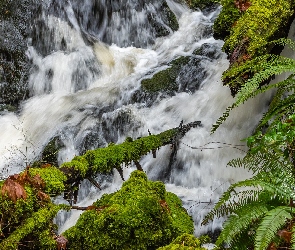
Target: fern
{"x": 241, "y": 221}
{"x": 275, "y": 66}
{"x": 260, "y": 206}
{"x": 271, "y": 223}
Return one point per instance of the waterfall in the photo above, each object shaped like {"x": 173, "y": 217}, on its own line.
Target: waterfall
{"x": 88, "y": 61}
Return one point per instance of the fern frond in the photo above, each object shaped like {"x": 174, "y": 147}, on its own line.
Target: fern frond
{"x": 221, "y": 119}
{"x": 236, "y": 224}
{"x": 287, "y": 103}
{"x": 263, "y": 160}
{"x": 271, "y": 184}
{"x": 275, "y": 66}
{"x": 230, "y": 202}
{"x": 283, "y": 42}
{"x": 270, "y": 224}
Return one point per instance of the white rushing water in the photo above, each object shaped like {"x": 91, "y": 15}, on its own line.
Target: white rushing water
{"x": 89, "y": 95}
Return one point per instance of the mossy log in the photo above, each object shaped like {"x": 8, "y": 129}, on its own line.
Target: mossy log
{"x": 39, "y": 221}
{"x": 104, "y": 160}
{"x": 249, "y": 28}
{"x": 26, "y": 210}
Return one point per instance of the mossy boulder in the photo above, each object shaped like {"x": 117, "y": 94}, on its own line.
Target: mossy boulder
{"x": 184, "y": 74}
{"x": 141, "y": 215}
{"x": 184, "y": 242}
{"x": 248, "y": 29}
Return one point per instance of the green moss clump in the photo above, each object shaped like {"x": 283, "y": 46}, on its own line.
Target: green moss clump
{"x": 13, "y": 213}
{"x": 226, "y": 19}
{"x": 184, "y": 242}
{"x": 260, "y": 24}
{"x": 26, "y": 211}
{"x": 141, "y": 215}
{"x": 37, "y": 223}
{"x": 248, "y": 33}
{"x": 165, "y": 80}
{"x": 201, "y": 4}
{"x": 53, "y": 178}
{"x": 167, "y": 17}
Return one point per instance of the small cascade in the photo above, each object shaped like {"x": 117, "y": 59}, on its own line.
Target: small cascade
{"x": 89, "y": 59}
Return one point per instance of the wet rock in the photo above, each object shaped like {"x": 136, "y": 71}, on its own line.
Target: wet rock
{"x": 184, "y": 74}
{"x": 14, "y": 64}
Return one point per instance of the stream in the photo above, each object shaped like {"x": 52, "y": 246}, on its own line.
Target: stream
{"x": 88, "y": 61}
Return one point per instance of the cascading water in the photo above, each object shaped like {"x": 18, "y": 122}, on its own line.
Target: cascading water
{"x": 85, "y": 90}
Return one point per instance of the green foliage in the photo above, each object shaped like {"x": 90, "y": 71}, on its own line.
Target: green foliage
{"x": 141, "y": 215}
{"x": 13, "y": 213}
{"x": 275, "y": 65}
{"x": 226, "y": 19}
{"x": 249, "y": 33}
{"x": 184, "y": 242}
{"x": 26, "y": 211}
{"x": 39, "y": 221}
{"x": 261, "y": 206}
{"x": 260, "y": 24}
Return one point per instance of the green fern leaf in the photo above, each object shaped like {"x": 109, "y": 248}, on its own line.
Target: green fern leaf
{"x": 270, "y": 224}
{"x": 238, "y": 223}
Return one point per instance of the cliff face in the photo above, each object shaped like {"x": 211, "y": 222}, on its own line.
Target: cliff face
{"x": 249, "y": 29}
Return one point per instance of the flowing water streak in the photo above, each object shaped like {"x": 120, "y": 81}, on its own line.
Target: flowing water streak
{"x": 86, "y": 92}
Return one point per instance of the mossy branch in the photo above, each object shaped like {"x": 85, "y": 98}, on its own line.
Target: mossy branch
{"x": 38, "y": 221}
{"x": 104, "y": 160}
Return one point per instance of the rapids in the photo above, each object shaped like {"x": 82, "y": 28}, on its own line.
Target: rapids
{"x": 85, "y": 90}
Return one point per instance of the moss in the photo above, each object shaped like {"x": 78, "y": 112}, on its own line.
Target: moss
{"x": 36, "y": 223}
{"x": 104, "y": 160}
{"x": 202, "y": 4}
{"x": 226, "y": 19}
{"x": 26, "y": 210}
{"x": 259, "y": 25}
{"x": 54, "y": 179}
{"x": 167, "y": 17}
{"x": 13, "y": 213}
{"x": 165, "y": 80}
{"x": 135, "y": 217}
{"x": 248, "y": 33}
{"x": 50, "y": 152}
{"x": 171, "y": 18}
{"x": 184, "y": 242}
